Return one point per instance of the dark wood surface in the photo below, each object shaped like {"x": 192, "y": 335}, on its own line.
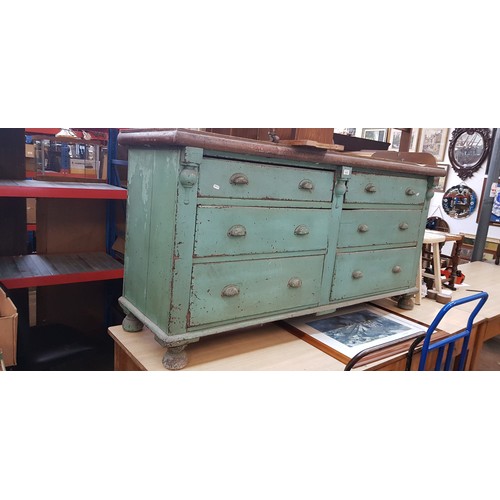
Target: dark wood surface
{"x": 43, "y": 270}
{"x": 45, "y": 189}
{"x": 164, "y": 138}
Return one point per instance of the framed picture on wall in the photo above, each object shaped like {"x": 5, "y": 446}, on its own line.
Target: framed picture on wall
{"x": 433, "y": 141}
{"x": 440, "y": 182}
{"x": 374, "y": 134}
{"x": 495, "y": 211}
{"x": 394, "y": 137}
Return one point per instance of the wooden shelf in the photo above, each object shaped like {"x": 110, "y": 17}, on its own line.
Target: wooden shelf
{"x": 44, "y": 189}
{"x": 57, "y": 269}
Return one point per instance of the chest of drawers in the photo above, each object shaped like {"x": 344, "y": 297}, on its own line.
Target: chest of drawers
{"x": 225, "y": 233}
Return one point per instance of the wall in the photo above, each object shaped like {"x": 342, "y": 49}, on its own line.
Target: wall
{"x": 469, "y": 224}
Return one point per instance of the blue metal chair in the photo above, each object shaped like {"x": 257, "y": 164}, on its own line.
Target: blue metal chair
{"x": 426, "y": 336}
{"x": 450, "y": 341}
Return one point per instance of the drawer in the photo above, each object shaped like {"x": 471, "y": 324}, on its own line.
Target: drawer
{"x": 232, "y": 179}
{"x": 372, "y": 188}
{"x": 252, "y": 230}
{"x": 378, "y": 227}
{"x": 232, "y": 290}
{"x": 359, "y": 274}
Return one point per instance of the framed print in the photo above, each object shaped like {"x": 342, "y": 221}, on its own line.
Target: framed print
{"x": 374, "y": 134}
{"x": 345, "y": 131}
{"x": 351, "y": 330}
{"x": 440, "y": 182}
{"x": 433, "y": 141}
{"x": 394, "y": 138}
{"x": 495, "y": 211}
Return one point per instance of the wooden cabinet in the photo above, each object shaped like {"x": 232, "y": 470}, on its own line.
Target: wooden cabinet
{"x": 231, "y": 233}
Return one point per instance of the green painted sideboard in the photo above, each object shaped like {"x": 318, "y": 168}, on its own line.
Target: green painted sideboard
{"x": 225, "y": 233}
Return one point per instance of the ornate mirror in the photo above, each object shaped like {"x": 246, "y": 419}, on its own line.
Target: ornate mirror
{"x": 468, "y": 149}
{"x": 459, "y": 201}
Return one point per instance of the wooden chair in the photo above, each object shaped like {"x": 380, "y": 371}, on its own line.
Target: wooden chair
{"x": 432, "y": 239}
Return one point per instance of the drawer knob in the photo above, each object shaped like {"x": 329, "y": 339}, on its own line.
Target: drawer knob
{"x": 238, "y": 179}
{"x": 404, "y": 226}
{"x": 396, "y": 269}
{"x": 301, "y": 230}
{"x": 306, "y": 184}
{"x": 370, "y": 188}
{"x": 294, "y": 282}
{"x": 230, "y": 291}
{"x": 237, "y": 231}
{"x": 410, "y": 192}
{"x": 357, "y": 275}
{"x": 362, "y": 228}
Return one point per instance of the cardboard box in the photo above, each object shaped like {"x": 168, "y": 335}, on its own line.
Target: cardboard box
{"x": 8, "y": 329}
{"x": 29, "y": 150}
{"x": 77, "y": 167}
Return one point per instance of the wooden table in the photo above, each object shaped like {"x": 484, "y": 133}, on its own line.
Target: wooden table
{"x": 479, "y": 276}
{"x": 265, "y": 348}
{"x": 270, "y": 347}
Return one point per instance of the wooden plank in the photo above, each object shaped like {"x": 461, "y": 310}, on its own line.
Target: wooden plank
{"x": 44, "y": 270}
{"x": 71, "y": 226}
{"x": 44, "y": 189}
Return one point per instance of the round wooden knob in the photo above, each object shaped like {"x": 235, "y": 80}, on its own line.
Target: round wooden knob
{"x": 357, "y": 275}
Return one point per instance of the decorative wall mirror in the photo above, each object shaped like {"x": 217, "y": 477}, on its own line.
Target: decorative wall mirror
{"x": 459, "y": 201}
{"x": 468, "y": 149}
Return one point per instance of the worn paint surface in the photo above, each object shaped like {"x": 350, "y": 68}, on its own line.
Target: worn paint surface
{"x": 376, "y": 270}
{"x": 262, "y": 284}
{"x": 379, "y": 227}
{"x": 261, "y": 230}
{"x": 386, "y": 189}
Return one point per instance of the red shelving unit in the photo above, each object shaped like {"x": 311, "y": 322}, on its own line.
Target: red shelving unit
{"x": 57, "y": 269}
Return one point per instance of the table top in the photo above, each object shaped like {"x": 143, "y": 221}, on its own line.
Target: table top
{"x": 479, "y": 276}
{"x": 268, "y": 348}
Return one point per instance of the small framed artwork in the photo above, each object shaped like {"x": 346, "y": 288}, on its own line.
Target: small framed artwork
{"x": 394, "y": 138}
{"x": 433, "y": 141}
{"x": 440, "y": 182}
{"x": 374, "y": 134}
{"x": 345, "y": 131}
{"x": 351, "y": 330}
{"x": 495, "y": 211}
{"x": 459, "y": 202}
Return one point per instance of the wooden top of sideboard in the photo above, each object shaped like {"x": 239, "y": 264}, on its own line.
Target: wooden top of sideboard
{"x": 178, "y": 137}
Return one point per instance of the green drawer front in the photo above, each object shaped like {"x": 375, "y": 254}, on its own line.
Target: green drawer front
{"x": 242, "y": 230}
{"x": 378, "y": 227}
{"x": 231, "y": 290}
{"x": 366, "y": 188}
{"x": 368, "y": 273}
{"x": 232, "y": 179}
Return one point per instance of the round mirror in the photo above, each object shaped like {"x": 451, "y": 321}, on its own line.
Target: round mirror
{"x": 459, "y": 201}
{"x": 468, "y": 149}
